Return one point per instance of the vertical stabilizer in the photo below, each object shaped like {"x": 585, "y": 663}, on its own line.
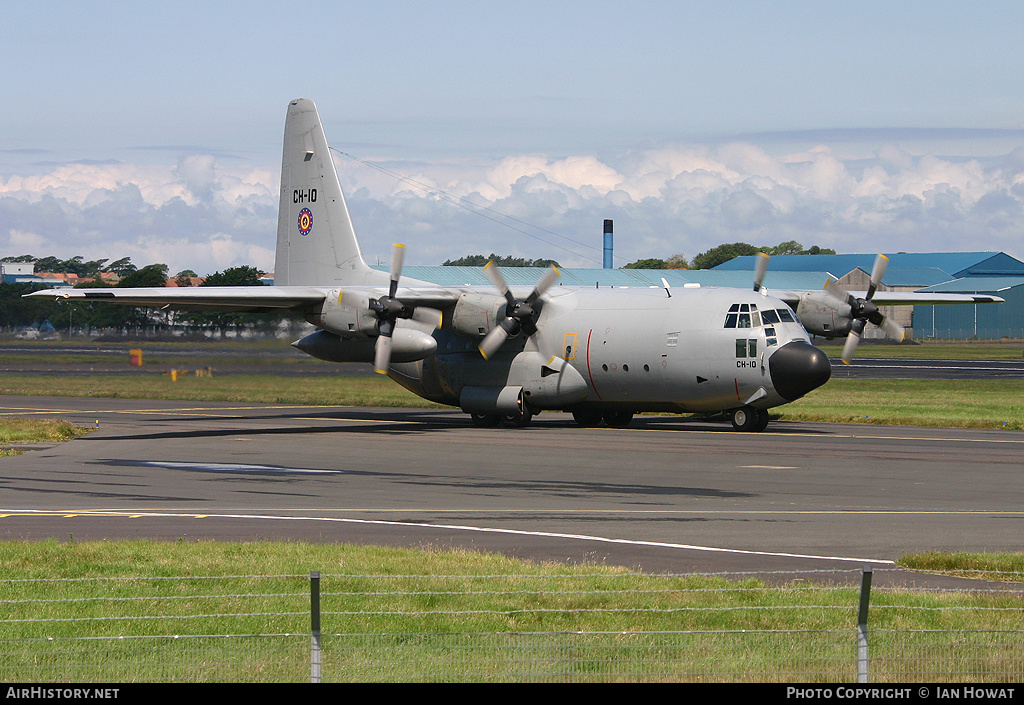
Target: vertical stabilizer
{"x": 316, "y": 243}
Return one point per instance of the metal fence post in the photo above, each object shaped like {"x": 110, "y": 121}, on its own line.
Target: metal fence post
{"x": 862, "y": 626}
{"x": 314, "y": 619}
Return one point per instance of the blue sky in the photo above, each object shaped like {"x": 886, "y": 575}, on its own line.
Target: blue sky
{"x": 153, "y": 130}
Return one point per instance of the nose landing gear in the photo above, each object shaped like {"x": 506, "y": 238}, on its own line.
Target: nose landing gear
{"x": 747, "y": 418}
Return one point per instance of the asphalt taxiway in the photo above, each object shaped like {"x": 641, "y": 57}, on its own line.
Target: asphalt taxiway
{"x": 664, "y": 495}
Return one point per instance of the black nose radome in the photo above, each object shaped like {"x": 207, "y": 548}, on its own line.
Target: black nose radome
{"x": 798, "y": 368}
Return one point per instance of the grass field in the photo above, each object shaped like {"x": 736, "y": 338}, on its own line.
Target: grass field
{"x": 979, "y": 403}
{"x": 141, "y": 610}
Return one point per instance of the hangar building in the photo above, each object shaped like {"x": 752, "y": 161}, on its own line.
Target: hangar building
{"x": 944, "y": 272}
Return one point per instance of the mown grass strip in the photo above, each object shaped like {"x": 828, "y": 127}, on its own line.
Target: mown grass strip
{"x": 994, "y": 404}
{"x": 151, "y": 605}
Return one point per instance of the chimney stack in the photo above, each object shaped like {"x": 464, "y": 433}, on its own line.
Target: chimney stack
{"x": 608, "y": 245}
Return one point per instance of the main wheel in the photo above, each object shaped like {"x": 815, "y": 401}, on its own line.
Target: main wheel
{"x": 588, "y": 418}
{"x": 762, "y": 420}
{"x": 521, "y": 419}
{"x": 485, "y": 420}
{"x": 618, "y": 419}
{"x": 744, "y": 418}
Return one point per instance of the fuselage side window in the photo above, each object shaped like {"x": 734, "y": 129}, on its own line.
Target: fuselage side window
{"x": 785, "y": 316}
{"x": 770, "y": 316}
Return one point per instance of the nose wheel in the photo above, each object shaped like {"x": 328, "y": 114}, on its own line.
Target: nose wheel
{"x": 747, "y": 418}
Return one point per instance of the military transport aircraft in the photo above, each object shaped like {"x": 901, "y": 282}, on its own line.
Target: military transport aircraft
{"x": 601, "y": 354}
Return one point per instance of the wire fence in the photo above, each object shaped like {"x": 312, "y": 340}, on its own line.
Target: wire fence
{"x": 625, "y": 627}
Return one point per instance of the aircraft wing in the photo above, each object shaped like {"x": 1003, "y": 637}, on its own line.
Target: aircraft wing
{"x": 913, "y": 298}
{"x": 898, "y": 298}
{"x": 237, "y": 298}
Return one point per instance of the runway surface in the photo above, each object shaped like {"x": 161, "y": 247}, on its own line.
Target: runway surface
{"x": 664, "y": 495}
{"x": 928, "y": 369}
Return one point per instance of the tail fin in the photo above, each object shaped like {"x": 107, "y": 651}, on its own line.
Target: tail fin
{"x": 316, "y": 243}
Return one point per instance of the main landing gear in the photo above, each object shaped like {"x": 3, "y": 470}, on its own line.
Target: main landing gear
{"x": 589, "y": 418}
{"x": 519, "y": 419}
{"x": 747, "y": 418}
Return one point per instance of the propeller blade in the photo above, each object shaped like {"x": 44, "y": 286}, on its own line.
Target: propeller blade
{"x": 881, "y": 262}
{"x": 382, "y": 354}
{"x": 836, "y": 290}
{"x": 850, "y": 347}
{"x": 494, "y": 274}
{"x": 430, "y": 316}
{"x": 760, "y": 268}
{"x": 493, "y": 341}
{"x": 397, "y": 258}
{"x": 550, "y": 277}
{"x": 893, "y": 329}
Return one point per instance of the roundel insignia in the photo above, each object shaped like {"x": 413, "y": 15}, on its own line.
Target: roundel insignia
{"x": 305, "y": 221}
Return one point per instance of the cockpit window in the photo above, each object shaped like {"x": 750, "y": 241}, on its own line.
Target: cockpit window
{"x": 747, "y": 316}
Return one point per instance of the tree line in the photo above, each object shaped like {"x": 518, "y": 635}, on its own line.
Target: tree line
{"x": 705, "y": 260}
{"x": 17, "y": 313}
{"x": 723, "y": 253}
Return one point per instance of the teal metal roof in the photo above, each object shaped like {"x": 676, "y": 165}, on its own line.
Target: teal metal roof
{"x": 956, "y": 264}
{"x": 988, "y": 285}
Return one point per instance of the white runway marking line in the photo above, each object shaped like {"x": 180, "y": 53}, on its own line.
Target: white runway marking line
{"x": 242, "y": 468}
{"x": 472, "y": 529}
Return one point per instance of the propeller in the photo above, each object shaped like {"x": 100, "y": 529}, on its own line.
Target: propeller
{"x": 864, "y": 310}
{"x": 520, "y": 315}
{"x": 760, "y": 268}
{"x": 389, "y": 309}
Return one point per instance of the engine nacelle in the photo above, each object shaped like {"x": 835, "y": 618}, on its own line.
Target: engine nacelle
{"x": 475, "y": 314}
{"x": 823, "y": 314}
{"x": 407, "y": 345}
{"x": 347, "y": 314}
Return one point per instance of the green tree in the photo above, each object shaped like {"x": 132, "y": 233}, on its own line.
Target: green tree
{"x": 723, "y": 253}
{"x": 649, "y": 263}
{"x": 507, "y": 261}
{"x": 184, "y": 277}
{"x": 150, "y": 275}
{"x": 243, "y": 275}
{"x": 676, "y": 261}
{"x": 122, "y": 267}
